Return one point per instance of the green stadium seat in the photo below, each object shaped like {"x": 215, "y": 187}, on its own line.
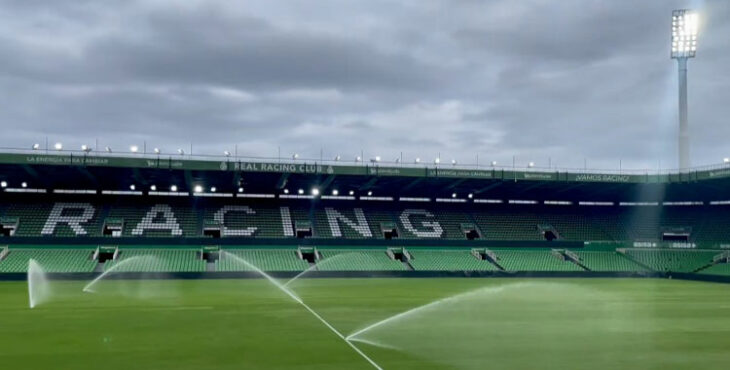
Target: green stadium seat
{"x": 51, "y": 259}
{"x": 446, "y": 260}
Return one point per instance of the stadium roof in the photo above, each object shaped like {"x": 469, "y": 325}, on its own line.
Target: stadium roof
{"x": 77, "y": 170}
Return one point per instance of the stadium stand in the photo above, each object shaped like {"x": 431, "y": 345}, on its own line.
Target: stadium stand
{"x": 157, "y": 220}
{"x": 722, "y": 269}
{"x": 445, "y": 260}
{"x": 529, "y": 260}
{"x": 672, "y": 260}
{"x": 357, "y": 260}
{"x": 265, "y": 259}
{"x": 380, "y": 217}
{"x": 157, "y": 260}
{"x": 144, "y": 219}
{"x": 608, "y": 261}
{"x": 57, "y": 216}
{"x": 49, "y": 258}
{"x": 262, "y": 221}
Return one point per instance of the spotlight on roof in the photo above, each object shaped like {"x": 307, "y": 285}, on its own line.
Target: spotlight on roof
{"x": 453, "y": 162}
{"x": 157, "y": 150}
{"x": 240, "y": 190}
{"x": 153, "y": 187}
{"x": 370, "y": 193}
{"x": 132, "y": 187}
{"x": 173, "y": 187}
{"x": 315, "y": 191}
{"x": 337, "y": 158}
{"x": 352, "y": 192}
{"x": 300, "y": 191}
{"x": 358, "y": 159}
{"x": 726, "y": 160}
{"x": 134, "y": 149}
{"x": 286, "y": 191}
{"x": 36, "y": 146}
{"x": 453, "y": 195}
{"x": 226, "y": 153}
{"x": 180, "y": 151}
{"x": 437, "y": 161}
{"x": 470, "y": 196}
{"x": 295, "y": 156}
{"x": 24, "y": 184}
{"x": 397, "y": 160}
{"x": 335, "y": 192}
{"x": 198, "y": 189}
{"x": 108, "y": 149}
{"x": 213, "y": 189}
{"x": 58, "y": 146}
{"x": 3, "y": 184}
{"x": 531, "y": 164}
{"x": 375, "y": 159}
{"x": 85, "y": 148}
{"x": 494, "y": 163}
{"x": 417, "y": 161}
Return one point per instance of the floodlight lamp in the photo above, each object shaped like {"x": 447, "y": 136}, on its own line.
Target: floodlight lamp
{"x": 453, "y": 195}
{"x": 300, "y": 191}
{"x": 470, "y": 196}
{"x": 157, "y": 150}
{"x": 295, "y": 156}
{"x": 453, "y": 162}
{"x": 437, "y": 161}
{"x": 24, "y": 184}
{"x": 173, "y": 188}
{"x": 726, "y": 160}
{"x": 240, "y": 190}
{"x": 180, "y": 151}
{"x": 36, "y": 146}
{"x": 370, "y": 193}
{"x": 132, "y": 187}
{"x": 358, "y": 159}
{"x": 58, "y": 146}
{"x": 397, "y": 160}
{"x": 417, "y": 161}
{"x": 337, "y": 158}
{"x": 494, "y": 163}
{"x": 315, "y": 191}
{"x": 3, "y": 184}
{"x": 213, "y": 189}
{"x": 108, "y": 149}
{"x": 198, "y": 189}
{"x": 226, "y": 153}
{"x": 286, "y": 191}
{"x": 134, "y": 149}
{"x": 153, "y": 187}
{"x": 335, "y": 192}
{"x": 685, "y": 28}
{"x": 85, "y": 148}
{"x": 531, "y": 164}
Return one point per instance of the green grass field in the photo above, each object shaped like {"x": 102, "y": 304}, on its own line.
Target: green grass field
{"x": 487, "y": 323}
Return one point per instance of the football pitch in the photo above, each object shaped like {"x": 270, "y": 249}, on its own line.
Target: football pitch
{"x": 455, "y": 323}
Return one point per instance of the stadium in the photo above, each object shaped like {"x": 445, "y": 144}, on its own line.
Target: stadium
{"x": 169, "y": 259}
{"x": 171, "y": 242}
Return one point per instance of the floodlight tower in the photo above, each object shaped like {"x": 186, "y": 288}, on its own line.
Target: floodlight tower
{"x": 684, "y": 46}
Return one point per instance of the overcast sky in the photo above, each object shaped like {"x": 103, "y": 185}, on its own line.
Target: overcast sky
{"x": 563, "y": 79}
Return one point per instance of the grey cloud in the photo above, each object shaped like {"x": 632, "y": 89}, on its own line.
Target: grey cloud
{"x": 534, "y": 79}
